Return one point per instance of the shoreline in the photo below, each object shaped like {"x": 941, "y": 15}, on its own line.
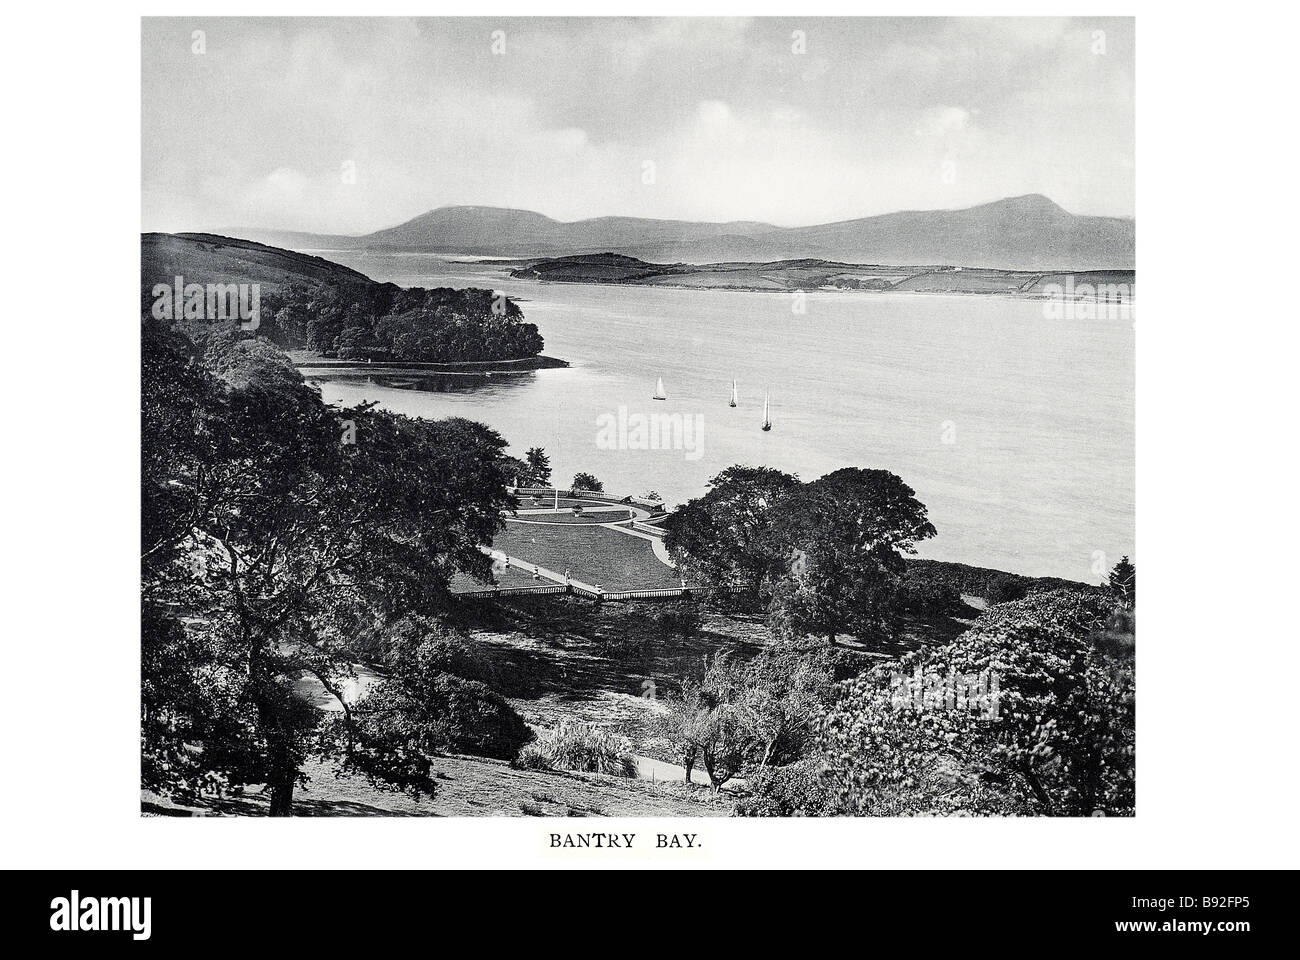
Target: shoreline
{"x": 1004, "y": 294}
{"x": 539, "y": 362}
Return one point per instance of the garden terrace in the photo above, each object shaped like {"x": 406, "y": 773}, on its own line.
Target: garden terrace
{"x": 591, "y": 553}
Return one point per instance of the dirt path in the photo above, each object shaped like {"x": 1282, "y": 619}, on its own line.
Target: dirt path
{"x": 527, "y": 567}
{"x": 661, "y": 771}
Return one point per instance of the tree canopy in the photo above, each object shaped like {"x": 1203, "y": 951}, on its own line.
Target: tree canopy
{"x": 1123, "y": 582}
{"x": 274, "y": 530}
{"x": 539, "y": 467}
{"x": 826, "y": 555}
{"x": 381, "y": 321}
{"x": 1059, "y": 740}
{"x": 728, "y": 536}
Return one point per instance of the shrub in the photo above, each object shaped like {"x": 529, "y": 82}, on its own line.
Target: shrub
{"x": 429, "y": 647}
{"x": 533, "y": 757}
{"x": 417, "y": 716}
{"x": 979, "y": 581}
{"x": 1060, "y": 741}
{"x": 582, "y": 747}
{"x": 470, "y": 717}
{"x": 799, "y": 790}
{"x": 448, "y": 653}
{"x": 929, "y": 597}
{"x": 1006, "y": 589}
{"x": 682, "y": 619}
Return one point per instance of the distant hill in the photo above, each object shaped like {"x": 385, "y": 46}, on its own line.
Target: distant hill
{"x": 1020, "y": 233}
{"x": 208, "y": 258}
{"x": 493, "y": 227}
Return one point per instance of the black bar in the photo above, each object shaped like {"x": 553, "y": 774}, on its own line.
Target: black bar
{"x": 971, "y": 910}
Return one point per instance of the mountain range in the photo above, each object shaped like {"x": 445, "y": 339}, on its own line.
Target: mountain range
{"x": 1019, "y": 233}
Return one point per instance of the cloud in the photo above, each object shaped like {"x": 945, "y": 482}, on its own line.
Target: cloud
{"x": 713, "y": 112}
{"x": 737, "y": 124}
{"x": 942, "y": 121}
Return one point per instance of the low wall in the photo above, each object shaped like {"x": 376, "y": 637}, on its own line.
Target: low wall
{"x": 654, "y": 506}
{"x": 671, "y": 593}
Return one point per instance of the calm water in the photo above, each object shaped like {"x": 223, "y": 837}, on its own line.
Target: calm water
{"x": 1015, "y": 431}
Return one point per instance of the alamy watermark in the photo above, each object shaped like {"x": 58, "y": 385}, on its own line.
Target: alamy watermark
{"x": 652, "y": 431}
{"x": 1088, "y": 301}
{"x": 977, "y": 693}
{"x": 75, "y": 913}
{"x": 212, "y": 301}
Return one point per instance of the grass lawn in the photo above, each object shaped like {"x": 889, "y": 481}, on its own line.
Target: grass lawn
{"x": 471, "y": 787}
{"x": 512, "y": 577}
{"x": 606, "y": 558}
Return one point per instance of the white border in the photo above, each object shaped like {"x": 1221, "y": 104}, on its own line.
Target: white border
{"x": 1216, "y": 520}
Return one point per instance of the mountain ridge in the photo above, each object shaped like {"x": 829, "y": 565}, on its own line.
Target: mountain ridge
{"x": 1026, "y": 232}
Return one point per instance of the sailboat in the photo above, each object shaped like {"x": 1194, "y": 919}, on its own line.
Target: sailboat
{"x": 733, "y": 394}
{"x": 767, "y": 421}
{"x": 659, "y": 391}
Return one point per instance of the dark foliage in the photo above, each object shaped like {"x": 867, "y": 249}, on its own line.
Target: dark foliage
{"x": 274, "y": 530}
{"x": 382, "y": 321}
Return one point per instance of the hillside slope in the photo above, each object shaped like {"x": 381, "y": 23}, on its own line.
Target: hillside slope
{"x": 469, "y": 787}
{"x": 208, "y": 258}
{"x": 1021, "y": 233}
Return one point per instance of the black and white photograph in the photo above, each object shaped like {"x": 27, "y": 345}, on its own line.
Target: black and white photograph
{"x": 755, "y": 438}
{"x": 697, "y": 437}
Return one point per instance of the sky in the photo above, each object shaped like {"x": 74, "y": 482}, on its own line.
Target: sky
{"x": 353, "y": 125}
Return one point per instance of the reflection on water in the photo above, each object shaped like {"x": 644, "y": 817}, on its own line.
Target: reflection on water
{"x": 424, "y": 382}
{"x": 1015, "y": 431}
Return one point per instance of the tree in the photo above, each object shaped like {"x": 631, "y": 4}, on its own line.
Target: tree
{"x": 779, "y": 697}
{"x": 754, "y": 715}
{"x": 1123, "y": 582}
{"x": 682, "y": 724}
{"x": 728, "y": 536}
{"x": 361, "y": 318}
{"x": 844, "y": 537}
{"x": 1058, "y": 741}
{"x": 290, "y": 327}
{"x": 585, "y": 481}
{"x": 515, "y": 469}
{"x": 539, "y": 467}
{"x": 419, "y": 710}
{"x": 359, "y": 343}
{"x": 704, "y": 724}
{"x": 269, "y": 540}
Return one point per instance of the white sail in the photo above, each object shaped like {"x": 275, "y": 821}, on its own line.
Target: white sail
{"x": 733, "y": 393}
{"x": 767, "y": 422}
{"x": 659, "y": 390}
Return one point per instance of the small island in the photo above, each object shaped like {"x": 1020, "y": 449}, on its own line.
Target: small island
{"x": 814, "y": 274}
